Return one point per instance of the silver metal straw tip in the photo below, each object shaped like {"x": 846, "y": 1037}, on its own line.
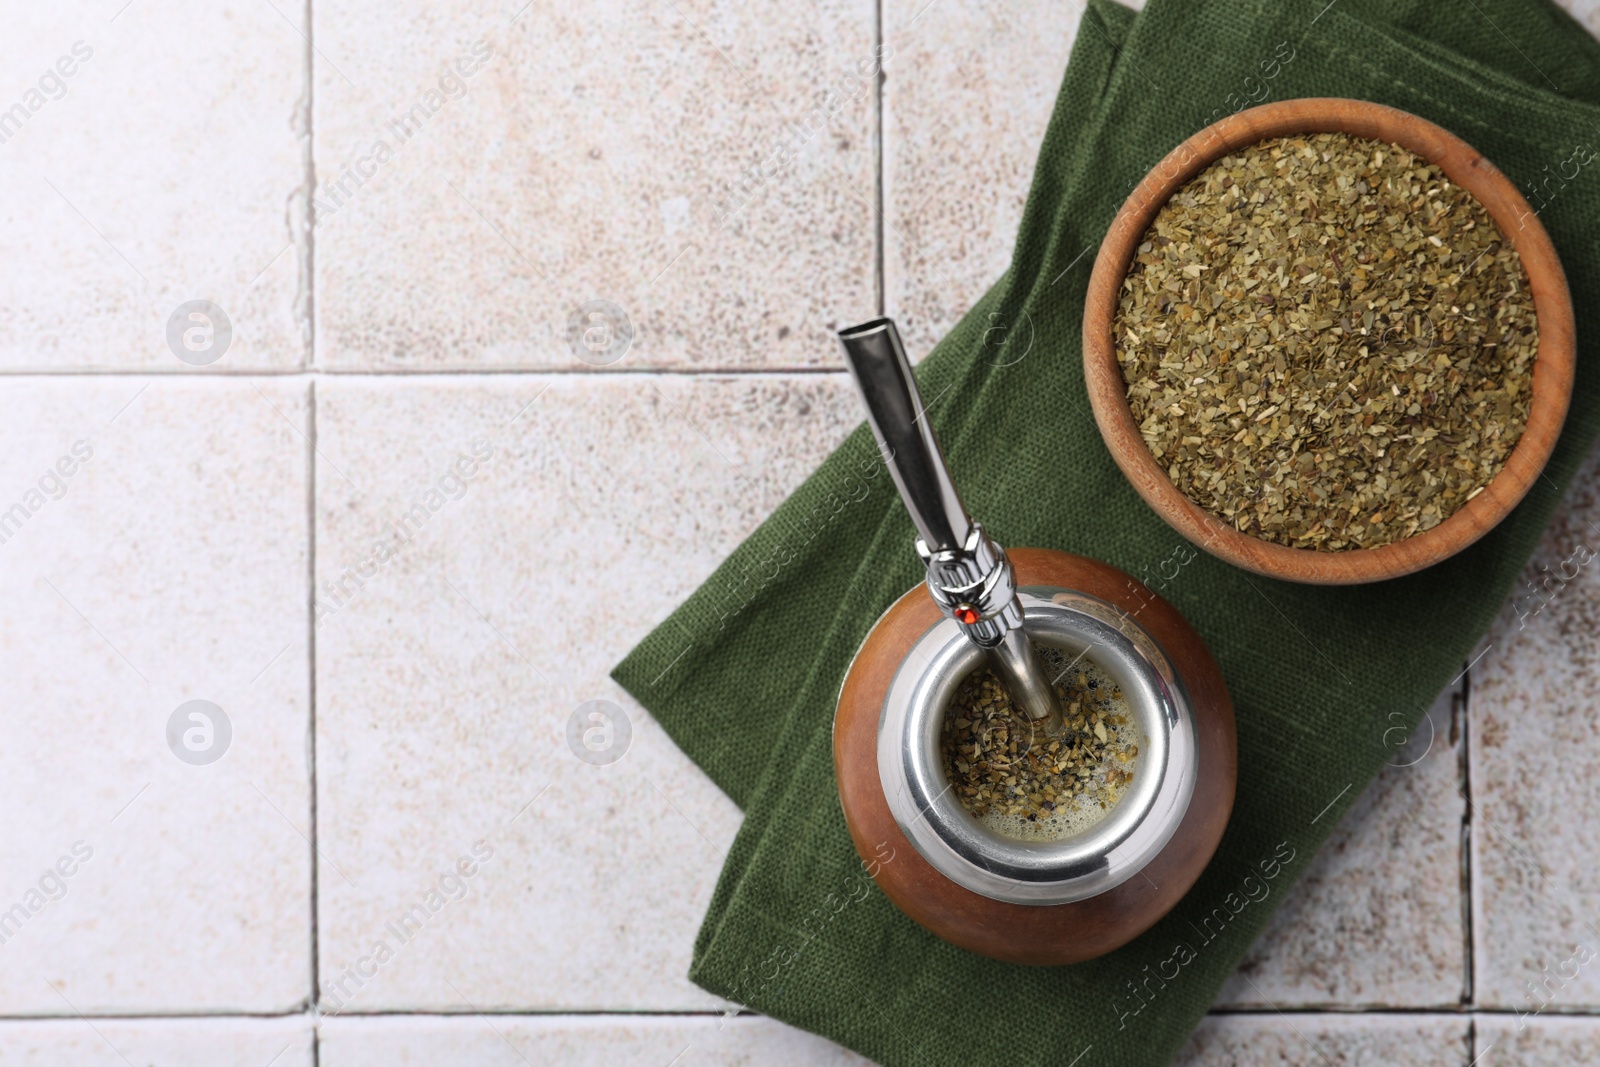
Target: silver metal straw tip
{"x": 969, "y": 575}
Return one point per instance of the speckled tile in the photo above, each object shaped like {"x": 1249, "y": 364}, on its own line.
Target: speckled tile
{"x": 1536, "y": 1041}
{"x": 152, "y": 862}
{"x": 1277, "y": 1040}
{"x": 168, "y": 1042}
{"x": 448, "y": 677}
{"x": 1535, "y": 748}
{"x": 1377, "y": 918}
{"x": 593, "y": 1041}
{"x": 200, "y": 202}
{"x": 708, "y": 169}
{"x": 968, "y": 94}
{"x": 1587, "y": 12}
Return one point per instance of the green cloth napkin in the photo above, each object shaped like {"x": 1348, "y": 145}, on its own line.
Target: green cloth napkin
{"x": 745, "y": 673}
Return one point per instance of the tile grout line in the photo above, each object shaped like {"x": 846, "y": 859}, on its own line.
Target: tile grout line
{"x": 309, "y": 279}
{"x": 311, "y": 683}
{"x": 1469, "y": 991}
{"x": 880, "y": 282}
{"x": 1442, "y": 1011}
{"x": 443, "y": 372}
{"x": 1325, "y": 1012}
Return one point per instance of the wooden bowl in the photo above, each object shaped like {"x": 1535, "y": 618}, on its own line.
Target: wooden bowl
{"x": 1023, "y": 933}
{"x": 1552, "y": 370}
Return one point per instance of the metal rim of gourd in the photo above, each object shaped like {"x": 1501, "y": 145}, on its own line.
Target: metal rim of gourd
{"x": 918, "y": 790}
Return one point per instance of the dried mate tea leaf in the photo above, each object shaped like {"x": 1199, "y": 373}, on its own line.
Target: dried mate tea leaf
{"x": 1021, "y": 783}
{"x": 1326, "y": 342}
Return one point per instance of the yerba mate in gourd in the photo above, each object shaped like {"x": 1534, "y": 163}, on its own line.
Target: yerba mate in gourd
{"x": 1021, "y": 782}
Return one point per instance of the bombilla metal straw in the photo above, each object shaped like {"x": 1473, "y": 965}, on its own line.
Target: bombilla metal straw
{"x": 968, "y": 574}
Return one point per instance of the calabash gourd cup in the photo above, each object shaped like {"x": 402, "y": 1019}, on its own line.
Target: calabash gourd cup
{"x": 1025, "y": 901}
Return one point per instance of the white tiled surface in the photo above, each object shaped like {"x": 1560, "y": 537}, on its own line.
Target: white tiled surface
{"x": 169, "y": 167}
{"x": 444, "y": 687}
{"x": 1376, "y": 918}
{"x": 415, "y": 717}
{"x": 171, "y": 567}
{"x": 1538, "y": 1041}
{"x": 191, "y": 1042}
{"x": 600, "y": 150}
{"x": 575, "y": 1041}
{"x": 1536, "y": 749}
{"x": 969, "y": 92}
{"x": 1331, "y": 1040}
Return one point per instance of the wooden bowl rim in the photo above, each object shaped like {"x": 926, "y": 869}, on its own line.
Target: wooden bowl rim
{"x": 1463, "y": 165}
